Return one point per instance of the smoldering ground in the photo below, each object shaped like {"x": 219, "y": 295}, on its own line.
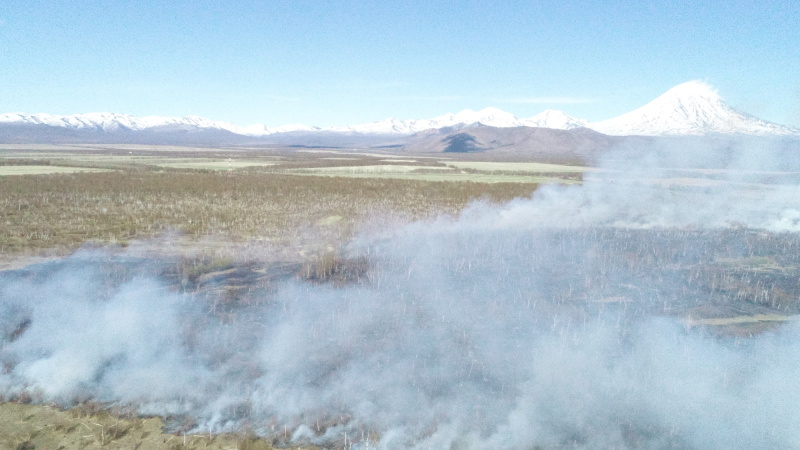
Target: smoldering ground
{"x": 554, "y": 321}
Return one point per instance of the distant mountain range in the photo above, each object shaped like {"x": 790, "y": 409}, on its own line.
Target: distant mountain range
{"x": 689, "y": 109}
{"x": 112, "y": 122}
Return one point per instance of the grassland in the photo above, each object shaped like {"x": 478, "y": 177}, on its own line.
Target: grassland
{"x": 532, "y": 167}
{"x": 63, "y": 211}
{"x": 115, "y": 195}
{"x": 43, "y": 170}
{"x": 214, "y": 164}
{"x": 438, "y": 176}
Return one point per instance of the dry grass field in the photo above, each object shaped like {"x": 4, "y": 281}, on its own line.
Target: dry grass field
{"x": 231, "y": 197}
{"x": 30, "y": 427}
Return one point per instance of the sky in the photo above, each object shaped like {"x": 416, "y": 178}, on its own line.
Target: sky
{"x": 330, "y": 63}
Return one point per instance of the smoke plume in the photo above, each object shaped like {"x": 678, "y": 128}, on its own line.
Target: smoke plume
{"x": 560, "y": 320}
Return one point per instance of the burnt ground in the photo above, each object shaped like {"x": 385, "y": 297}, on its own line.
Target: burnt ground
{"x": 730, "y": 282}
{"x": 692, "y": 274}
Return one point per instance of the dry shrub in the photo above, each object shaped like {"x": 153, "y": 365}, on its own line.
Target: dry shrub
{"x": 250, "y": 441}
{"x": 330, "y": 267}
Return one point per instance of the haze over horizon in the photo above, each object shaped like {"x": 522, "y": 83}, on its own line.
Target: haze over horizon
{"x": 345, "y": 63}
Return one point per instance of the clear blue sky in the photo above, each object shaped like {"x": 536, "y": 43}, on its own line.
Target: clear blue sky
{"x": 325, "y": 62}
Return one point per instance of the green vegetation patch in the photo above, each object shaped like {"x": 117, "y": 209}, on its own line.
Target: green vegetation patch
{"x": 212, "y": 165}
{"x": 44, "y": 170}
{"x": 754, "y": 263}
{"x": 432, "y": 173}
{"x": 444, "y": 176}
{"x": 372, "y": 169}
{"x": 738, "y": 320}
{"x": 486, "y": 166}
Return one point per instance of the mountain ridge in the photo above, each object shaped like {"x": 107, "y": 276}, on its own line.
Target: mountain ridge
{"x": 691, "y": 108}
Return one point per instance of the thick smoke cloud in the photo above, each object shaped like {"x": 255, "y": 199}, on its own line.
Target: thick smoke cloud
{"x": 550, "y": 321}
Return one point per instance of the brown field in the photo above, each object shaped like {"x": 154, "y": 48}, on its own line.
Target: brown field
{"x": 212, "y": 195}
{"x": 29, "y": 427}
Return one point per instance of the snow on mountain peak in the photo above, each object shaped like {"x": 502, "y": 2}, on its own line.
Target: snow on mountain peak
{"x": 691, "y": 108}
{"x": 488, "y": 116}
{"x": 104, "y": 121}
{"x": 694, "y": 88}
{"x": 493, "y": 117}
{"x": 552, "y": 118}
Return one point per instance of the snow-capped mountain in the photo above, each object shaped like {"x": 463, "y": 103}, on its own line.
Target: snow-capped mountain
{"x": 692, "y": 108}
{"x": 492, "y": 117}
{"x": 111, "y": 122}
{"x": 552, "y": 118}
